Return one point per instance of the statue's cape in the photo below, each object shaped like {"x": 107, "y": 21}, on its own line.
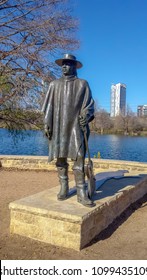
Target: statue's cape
{"x": 65, "y": 100}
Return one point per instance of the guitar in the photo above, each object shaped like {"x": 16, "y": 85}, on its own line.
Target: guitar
{"x": 89, "y": 170}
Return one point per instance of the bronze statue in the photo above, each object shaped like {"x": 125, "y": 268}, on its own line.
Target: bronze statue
{"x": 68, "y": 108}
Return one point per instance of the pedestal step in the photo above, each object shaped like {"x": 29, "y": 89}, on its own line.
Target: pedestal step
{"x": 68, "y": 223}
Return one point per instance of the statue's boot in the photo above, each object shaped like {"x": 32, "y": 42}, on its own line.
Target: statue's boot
{"x": 63, "y": 179}
{"x": 82, "y": 196}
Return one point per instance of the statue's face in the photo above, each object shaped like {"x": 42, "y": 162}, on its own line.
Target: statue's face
{"x": 68, "y": 67}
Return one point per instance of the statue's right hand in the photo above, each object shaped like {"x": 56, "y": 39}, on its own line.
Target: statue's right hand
{"x": 48, "y": 133}
{"x": 83, "y": 122}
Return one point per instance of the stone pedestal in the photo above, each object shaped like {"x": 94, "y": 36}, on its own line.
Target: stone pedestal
{"x": 68, "y": 223}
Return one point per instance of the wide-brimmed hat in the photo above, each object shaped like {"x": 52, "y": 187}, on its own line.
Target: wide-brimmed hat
{"x": 71, "y": 58}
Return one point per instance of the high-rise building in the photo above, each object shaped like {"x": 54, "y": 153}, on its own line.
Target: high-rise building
{"x": 142, "y": 110}
{"x": 118, "y": 99}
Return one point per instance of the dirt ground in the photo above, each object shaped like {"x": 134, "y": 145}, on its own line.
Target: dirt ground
{"x": 125, "y": 238}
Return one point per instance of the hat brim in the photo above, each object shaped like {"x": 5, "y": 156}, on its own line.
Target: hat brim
{"x": 60, "y": 61}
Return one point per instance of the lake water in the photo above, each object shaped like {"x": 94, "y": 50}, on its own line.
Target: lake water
{"x": 110, "y": 146}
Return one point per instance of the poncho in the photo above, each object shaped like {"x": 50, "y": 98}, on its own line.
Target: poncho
{"x": 67, "y": 98}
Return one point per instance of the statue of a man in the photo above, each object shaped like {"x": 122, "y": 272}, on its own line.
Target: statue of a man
{"x": 68, "y": 108}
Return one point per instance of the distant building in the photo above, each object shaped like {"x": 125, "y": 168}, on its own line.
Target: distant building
{"x": 142, "y": 110}
{"x": 118, "y": 100}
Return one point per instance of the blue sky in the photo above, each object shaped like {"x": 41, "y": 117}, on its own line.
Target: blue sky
{"x": 113, "y": 35}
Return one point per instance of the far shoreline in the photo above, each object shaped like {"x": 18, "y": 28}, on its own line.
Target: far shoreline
{"x": 140, "y": 133}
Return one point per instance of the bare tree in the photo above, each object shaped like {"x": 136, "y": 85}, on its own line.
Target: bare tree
{"x": 32, "y": 33}
{"x": 127, "y": 124}
{"x": 102, "y": 120}
{"x": 143, "y": 123}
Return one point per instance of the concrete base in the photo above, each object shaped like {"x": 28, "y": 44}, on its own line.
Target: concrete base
{"x": 68, "y": 223}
